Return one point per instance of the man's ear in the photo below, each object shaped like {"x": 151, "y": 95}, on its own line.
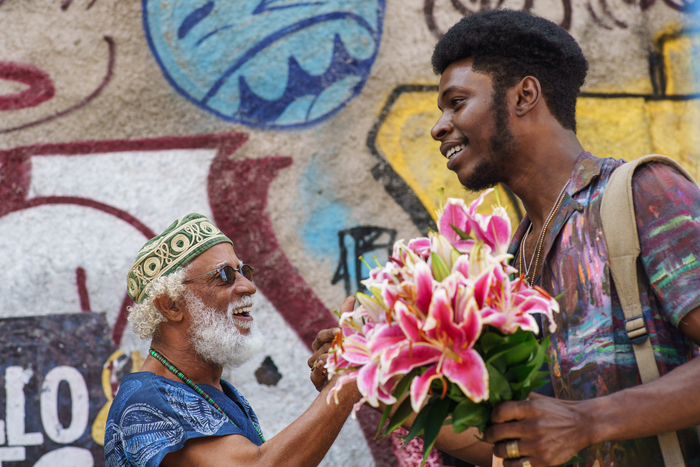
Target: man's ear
{"x": 168, "y": 308}
{"x": 529, "y": 93}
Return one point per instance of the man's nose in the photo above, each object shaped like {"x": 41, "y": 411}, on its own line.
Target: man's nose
{"x": 243, "y": 285}
{"x": 442, "y": 128}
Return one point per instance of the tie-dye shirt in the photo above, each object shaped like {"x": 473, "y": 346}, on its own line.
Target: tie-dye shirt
{"x": 591, "y": 352}
{"x": 152, "y": 416}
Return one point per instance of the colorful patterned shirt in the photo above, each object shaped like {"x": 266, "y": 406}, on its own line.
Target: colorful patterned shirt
{"x": 591, "y": 352}
{"x": 152, "y": 416}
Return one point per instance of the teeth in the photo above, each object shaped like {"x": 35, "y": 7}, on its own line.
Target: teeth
{"x": 454, "y": 151}
{"x": 245, "y": 309}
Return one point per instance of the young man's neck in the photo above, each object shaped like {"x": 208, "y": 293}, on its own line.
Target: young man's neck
{"x": 545, "y": 164}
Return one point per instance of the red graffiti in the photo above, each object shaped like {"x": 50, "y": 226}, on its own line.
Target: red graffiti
{"x": 238, "y": 198}
{"x": 111, "y": 49}
{"x": 40, "y": 86}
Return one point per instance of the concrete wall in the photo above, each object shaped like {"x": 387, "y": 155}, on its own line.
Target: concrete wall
{"x": 300, "y": 127}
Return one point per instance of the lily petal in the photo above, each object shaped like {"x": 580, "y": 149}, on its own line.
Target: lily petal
{"x": 420, "y": 386}
{"x": 469, "y": 373}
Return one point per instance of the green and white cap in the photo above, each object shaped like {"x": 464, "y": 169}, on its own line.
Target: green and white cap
{"x": 185, "y": 239}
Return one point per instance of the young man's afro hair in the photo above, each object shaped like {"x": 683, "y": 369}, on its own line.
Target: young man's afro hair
{"x": 510, "y": 45}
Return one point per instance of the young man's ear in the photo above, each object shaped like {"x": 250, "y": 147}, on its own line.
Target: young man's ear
{"x": 168, "y": 308}
{"x": 529, "y": 93}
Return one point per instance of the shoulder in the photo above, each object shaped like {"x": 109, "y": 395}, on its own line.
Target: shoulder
{"x": 657, "y": 177}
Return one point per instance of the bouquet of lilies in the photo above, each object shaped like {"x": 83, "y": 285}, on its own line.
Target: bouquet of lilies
{"x": 447, "y": 323}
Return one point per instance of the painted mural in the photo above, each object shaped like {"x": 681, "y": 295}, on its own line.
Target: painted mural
{"x": 302, "y": 128}
{"x": 271, "y": 63}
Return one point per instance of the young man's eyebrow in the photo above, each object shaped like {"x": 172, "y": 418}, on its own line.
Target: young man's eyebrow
{"x": 447, "y": 90}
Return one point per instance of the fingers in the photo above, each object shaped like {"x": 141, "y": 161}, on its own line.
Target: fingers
{"x": 522, "y": 449}
{"x": 510, "y": 410}
{"x": 521, "y": 462}
{"x": 516, "y": 455}
{"x": 319, "y": 374}
{"x": 348, "y": 304}
{"x": 323, "y": 337}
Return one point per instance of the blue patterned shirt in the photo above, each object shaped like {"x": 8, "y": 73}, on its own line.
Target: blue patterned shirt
{"x": 152, "y": 416}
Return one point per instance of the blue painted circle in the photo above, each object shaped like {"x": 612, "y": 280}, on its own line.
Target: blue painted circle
{"x": 265, "y": 63}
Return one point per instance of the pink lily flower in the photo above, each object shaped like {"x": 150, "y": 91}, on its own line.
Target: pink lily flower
{"x": 444, "y": 343}
{"x": 509, "y": 306}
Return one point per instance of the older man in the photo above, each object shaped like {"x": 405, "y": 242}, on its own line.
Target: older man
{"x": 193, "y": 300}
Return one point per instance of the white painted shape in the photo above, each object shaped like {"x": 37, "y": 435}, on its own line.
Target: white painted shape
{"x": 66, "y": 457}
{"x": 2, "y": 432}
{"x": 12, "y": 454}
{"x": 278, "y": 406}
{"x": 156, "y": 187}
{"x": 14, "y": 410}
{"x": 80, "y": 404}
{"x": 42, "y": 248}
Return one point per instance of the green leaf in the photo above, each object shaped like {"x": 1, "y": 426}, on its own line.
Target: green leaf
{"x": 462, "y": 234}
{"x": 405, "y": 383}
{"x": 521, "y": 376}
{"x": 498, "y": 386}
{"x": 438, "y": 413}
{"x": 502, "y": 350}
{"x": 468, "y": 414}
{"x": 440, "y": 269}
{"x": 490, "y": 340}
{"x": 382, "y": 421}
{"x": 522, "y": 336}
{"x": 419, "y": 422}
{"x": 400, "y": 415}
{"x": 521, "y": 353}
{"x": 517, "y": 376}
{"x": 455, "y": 393}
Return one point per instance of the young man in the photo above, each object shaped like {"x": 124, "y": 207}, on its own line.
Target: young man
{"x": 193, "y": 300}
{"x": 508, "y": 89}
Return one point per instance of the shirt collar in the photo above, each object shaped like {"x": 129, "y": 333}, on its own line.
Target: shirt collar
{"x": 586, "y": 168}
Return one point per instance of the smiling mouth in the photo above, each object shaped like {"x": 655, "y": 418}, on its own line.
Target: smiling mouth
{"x": 242, "y": 312}
{"x": 453, "y": 151}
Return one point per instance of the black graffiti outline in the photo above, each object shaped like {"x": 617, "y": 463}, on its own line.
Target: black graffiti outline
{"x": 365, "y": 238}
{"x": 484, "y": 5}
{"x": 111, "y": 46}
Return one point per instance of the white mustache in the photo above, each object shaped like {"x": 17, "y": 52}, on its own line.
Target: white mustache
{"x": 243, "y": 302}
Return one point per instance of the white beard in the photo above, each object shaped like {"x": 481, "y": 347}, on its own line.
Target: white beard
{"x": 216, "y": 337}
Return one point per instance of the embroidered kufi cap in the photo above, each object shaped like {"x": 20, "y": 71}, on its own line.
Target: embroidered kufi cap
{"x": 184, "y": 240}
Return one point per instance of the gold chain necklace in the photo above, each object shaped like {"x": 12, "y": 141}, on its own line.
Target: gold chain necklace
{"x": 538, "y": 246}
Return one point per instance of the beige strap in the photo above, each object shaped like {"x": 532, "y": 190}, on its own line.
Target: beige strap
{"x": 621, "y": 236}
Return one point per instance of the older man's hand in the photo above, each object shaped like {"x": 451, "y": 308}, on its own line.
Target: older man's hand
{"x": 548, "y": 431}
{"x": 321, "y": 346}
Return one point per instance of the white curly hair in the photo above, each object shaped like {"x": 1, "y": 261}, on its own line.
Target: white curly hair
{"x": 144, "y": 317}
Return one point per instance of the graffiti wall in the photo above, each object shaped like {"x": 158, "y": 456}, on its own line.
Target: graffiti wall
{"x": 302, "y": 128}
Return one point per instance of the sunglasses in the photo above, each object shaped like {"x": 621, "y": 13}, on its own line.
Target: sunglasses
{"x": 227, "y": 274}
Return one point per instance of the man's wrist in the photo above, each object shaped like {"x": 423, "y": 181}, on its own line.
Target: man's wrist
{"x": 593, "y": 420}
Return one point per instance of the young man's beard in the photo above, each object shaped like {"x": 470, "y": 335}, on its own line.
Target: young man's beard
{"x": 491, "y": 171}
{"x": 216, "y": 336}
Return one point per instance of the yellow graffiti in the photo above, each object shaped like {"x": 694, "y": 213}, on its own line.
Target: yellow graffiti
{"x": 98, "y": 427}
{"x": 679, "y": 49}
{"x": 631, "y": 128}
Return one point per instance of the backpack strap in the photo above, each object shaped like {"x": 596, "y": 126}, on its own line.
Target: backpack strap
{"x": 620, "y": 231}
